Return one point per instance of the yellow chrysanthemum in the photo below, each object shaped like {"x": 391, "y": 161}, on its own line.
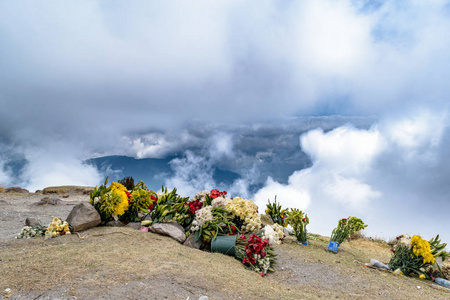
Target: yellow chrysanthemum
{"x": 421, "y": 247}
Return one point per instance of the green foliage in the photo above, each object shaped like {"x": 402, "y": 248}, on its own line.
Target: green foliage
{"x": 108, "y": 203}
{"x": 345, "y": 228}
{"x": 95, "y": 196}
{"x": 140, "y": 201}
{"x": 355, "y": 224}
{"x": 223, "y": 223}
{"x": 407, "y": 261}
{"x": 172, "y": 207}
{"x": 275, "y": 212}
{"x": 437, "y": 248}
{"x": 298, "y": 220}
{"x": 127, "y": 182}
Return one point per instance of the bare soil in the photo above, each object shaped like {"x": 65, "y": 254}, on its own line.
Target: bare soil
{"x": 123, "y": 263}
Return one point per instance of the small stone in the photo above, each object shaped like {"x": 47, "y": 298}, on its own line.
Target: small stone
{"x": 83, "y": 216}
{"x": 135, "y": 225}
{"x": 114, "y": 223}
{"x": 203, "y": 298}
{"x": 190, "y": 242}
{"x": 171, "y": 229}
{"x": 31, "y": 222}
{"x": 47, "y": 200}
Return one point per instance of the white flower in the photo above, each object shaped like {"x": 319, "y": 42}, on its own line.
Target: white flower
{"x": 219, "y": 202}
{"x": 204, "y": 215}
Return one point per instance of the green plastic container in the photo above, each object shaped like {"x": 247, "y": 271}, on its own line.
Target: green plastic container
{"x": 224, "y": 244}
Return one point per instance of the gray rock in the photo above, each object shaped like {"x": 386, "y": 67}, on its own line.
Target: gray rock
{"x": 114, "y": 223}
{"x": 32, "y": 222}
{"x": 203, "y": 298}
{"x": 47, "y": 200}
{"x": 172, "y": 229}
{"x": 16, "y": 189}
{"x": 135, "y": 225}
{"x": 190, "y": 242}
{"x": 83, "y": 216}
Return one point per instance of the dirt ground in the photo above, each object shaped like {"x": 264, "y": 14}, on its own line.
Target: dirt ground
{"x": 123, "y": 263}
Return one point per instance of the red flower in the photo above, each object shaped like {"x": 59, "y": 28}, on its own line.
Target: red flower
{"x": 263, "y": 254}
{"x": 262, "y": 274}
{"x": 304, "y": 219}
{"x": 344, "y": 219}
{"x": 215, "y": 193}
{"x": 243, "y": 237}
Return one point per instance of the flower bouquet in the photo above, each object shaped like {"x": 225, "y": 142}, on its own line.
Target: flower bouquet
{"x": 171, "y": 207}
{"x": 110, "y": 201}
{"x": 31, "y": 232}
{"x": 298, "y": 220}
{"x": 273, "y": 233}
{"x": 418, "y": 256}
{"x": 255, "y": 253}
{"x": 275, "y": 212}
{"x": 346, "y": 227}
{"x": 57, "y": 227}
{"x": 140, "y": 202}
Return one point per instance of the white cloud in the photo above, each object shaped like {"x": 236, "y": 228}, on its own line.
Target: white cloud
{"x": 53, "y": 171}
{"x": 383, "y": 175}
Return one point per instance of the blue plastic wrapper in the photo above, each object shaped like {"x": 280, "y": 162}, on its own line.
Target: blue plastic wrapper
{"x": 333, "y": 246}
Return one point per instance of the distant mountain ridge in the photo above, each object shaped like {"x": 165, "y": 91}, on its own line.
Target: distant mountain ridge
{"x": 153, "y": 171}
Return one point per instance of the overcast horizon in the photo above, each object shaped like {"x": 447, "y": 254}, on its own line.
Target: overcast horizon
{"x": 351, "y": 96}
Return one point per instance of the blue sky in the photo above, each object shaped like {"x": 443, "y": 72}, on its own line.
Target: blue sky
{"x": 157, "y": 78}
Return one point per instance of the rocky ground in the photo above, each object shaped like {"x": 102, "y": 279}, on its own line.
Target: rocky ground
{"x": 124, "y": 263}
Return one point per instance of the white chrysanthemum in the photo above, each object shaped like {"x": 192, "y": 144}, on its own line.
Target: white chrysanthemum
{"x": 273, "y": 234}
{"x": 247, "y": 211}
{"x": 204, "y": 215}
{"x": 201, "y": 196}
{"x": 220, "y": 202}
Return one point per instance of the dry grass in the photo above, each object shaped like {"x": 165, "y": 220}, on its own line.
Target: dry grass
{"x": 122, "y": 262}
{"x": 2, "y": 189}
{"x": 68, "y": 189}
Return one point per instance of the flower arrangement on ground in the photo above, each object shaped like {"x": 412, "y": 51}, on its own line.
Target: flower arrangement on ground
{"x": 255, "y": 253}
{"x": 298, "y": 220}
{"x": 31, "y": 232}
{"x": 275, "y": 212}
{"x": 346, "y": 227}
{"x": 273, "y": 233}
{"x": 217, "y": 215}
{"x": 171, "y": 207}
{"x": 140, "y": 203}
{"x": 110, "y": 201}
{"x": 418, "y": 256}
{"x": 57, "y": 227}
{"x": 246, "y": 213}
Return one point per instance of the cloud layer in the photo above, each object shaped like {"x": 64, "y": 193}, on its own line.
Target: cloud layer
{"x": 393, "y": 171}
{"x": 235, "y": 84}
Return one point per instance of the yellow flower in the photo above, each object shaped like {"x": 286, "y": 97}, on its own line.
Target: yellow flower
{"x": 267, "y": 211}
{"x": 422, "y": 276}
